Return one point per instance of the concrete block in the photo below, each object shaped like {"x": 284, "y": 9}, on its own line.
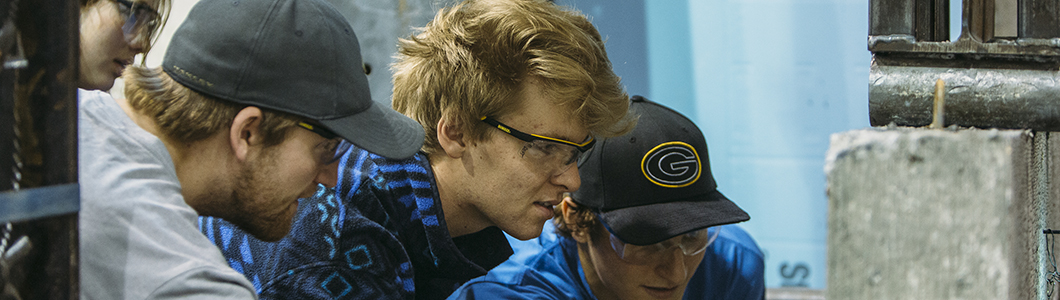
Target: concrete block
{"x": 1051, "y": 207}
{"x": 932, "y": 214}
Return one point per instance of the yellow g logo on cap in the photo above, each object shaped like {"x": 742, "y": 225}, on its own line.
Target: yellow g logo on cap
{"x": 672, "y": 165}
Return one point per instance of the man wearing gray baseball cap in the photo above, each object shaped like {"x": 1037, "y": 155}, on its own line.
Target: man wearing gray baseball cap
{"x": 252, "y": 106}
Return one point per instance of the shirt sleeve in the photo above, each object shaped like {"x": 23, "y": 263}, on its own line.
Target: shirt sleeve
{"x": 749, "y": 282}
{"x": 732, "y": 269}
{"x": 333, "y": 282}
{"x": 205, "y": 283}
{"x": 753, "y": 275}
{"x": 477, "y": 289}
{"x": 361, "y": 259}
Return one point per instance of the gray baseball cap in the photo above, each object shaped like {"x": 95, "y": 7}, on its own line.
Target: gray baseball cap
{"x": 295, "y": 56}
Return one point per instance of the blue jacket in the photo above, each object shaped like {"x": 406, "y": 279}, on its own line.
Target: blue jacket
{"x": 548, "y": 268}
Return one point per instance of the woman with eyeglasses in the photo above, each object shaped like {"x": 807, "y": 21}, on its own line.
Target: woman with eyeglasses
{"x": 647, "y": 223}
{"x": 113, "y": 32}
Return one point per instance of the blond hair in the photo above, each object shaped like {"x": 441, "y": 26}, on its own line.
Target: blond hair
{"x": 469, "y": 61}
{"x": 187, "y": 116}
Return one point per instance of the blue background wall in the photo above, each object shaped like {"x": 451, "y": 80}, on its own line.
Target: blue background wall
{"x": 767, "y": 81}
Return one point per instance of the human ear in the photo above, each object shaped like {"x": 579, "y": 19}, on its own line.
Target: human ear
{"x": 245, "y": 133}
{"x": 579, "y": 234}
{"x": 451, "y": 137}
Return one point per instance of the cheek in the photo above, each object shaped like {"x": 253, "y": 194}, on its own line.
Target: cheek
{"x": 99, "y": 37}
{"x": 500, "y": 167}
{"x": 613, "y": 272}
{"x": 307, "y": 169}
{"x": 693, "y": 262}
{"x": 297, "y": 168}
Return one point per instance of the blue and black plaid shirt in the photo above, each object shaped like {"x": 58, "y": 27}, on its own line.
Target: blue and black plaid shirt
{"x": 380, "y": 235}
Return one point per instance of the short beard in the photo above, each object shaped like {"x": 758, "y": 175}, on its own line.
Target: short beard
{"x": 246, "y": 212}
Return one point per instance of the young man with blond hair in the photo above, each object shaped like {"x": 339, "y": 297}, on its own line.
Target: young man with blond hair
{"x": 510, "y": 93}
{"x": 231, "y": 126}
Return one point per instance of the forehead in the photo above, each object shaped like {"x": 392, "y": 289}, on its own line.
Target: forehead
{"x": 542, "y": 115}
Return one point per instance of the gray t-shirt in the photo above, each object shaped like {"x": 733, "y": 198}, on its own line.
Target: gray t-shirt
{"x": 139, "y": 239}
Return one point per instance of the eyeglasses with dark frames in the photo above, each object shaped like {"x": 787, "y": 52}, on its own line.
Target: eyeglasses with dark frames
{"x": 552, "y": 153}
{"x": 530, "y": 137}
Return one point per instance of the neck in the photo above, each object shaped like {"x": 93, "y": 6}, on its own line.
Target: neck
{"x": 195, "y": 164}
{"x": 461, "y": 216}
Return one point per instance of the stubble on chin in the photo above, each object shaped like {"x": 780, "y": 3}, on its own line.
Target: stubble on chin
{"x": 248, "y": 212}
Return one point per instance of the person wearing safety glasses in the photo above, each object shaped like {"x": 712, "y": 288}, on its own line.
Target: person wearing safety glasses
{"x": 647, "y": 223}
{"x": 232, "y": 125}
{"x": 112, "y": 33}
{"x": 510, "y": 94}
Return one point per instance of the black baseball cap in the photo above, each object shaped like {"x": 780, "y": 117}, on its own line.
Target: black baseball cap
{"x": 295, "y": 56}
{"x": 655, "y": 182}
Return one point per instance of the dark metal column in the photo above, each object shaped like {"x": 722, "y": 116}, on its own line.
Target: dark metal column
{"x": 1039, "y": 19}
{"x": 892, "y": 17}
{"x": 38, "y": 149}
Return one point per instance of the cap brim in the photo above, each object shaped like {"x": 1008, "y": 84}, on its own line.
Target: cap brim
{"x": 653, "y": 223}
{"x": 380, "y": 130}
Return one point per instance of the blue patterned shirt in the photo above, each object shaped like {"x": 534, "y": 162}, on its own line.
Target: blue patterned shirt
{"x": 380, "y": 234}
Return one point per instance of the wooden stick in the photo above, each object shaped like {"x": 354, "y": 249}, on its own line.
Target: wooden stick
{"x": 939, "y": 114}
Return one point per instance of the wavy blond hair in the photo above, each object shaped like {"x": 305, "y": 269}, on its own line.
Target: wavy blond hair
{"x": 469, "y": 61}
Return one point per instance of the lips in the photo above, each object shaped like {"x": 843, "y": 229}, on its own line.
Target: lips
{"x": 660, "y": 292}
{"x": 548, "y": 204}
{"x": 546, "y": 207}
{"x": 121, "y": 65}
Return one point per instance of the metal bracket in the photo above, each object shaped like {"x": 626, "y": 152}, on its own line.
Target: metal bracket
{"x": 35, "y": 203}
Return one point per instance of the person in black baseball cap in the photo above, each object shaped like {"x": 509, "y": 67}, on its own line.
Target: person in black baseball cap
{"x": 647, "y": 223}
{"x": 252, "y": 107}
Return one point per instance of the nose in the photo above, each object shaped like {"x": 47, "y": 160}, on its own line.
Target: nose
{"x": 672, "y": 267}
{"x": 138, "y": 44}
{"x": 328, "y": 175}
{"x": 568, "y": 179}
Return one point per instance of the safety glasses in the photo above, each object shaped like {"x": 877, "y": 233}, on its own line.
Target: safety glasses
{"x": 550, "y": 153}
{"x": 691, "y": 243}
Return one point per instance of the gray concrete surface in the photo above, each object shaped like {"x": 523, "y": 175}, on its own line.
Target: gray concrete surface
{"x": 932, "y": 214}
{"x": 794, "y": 294}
